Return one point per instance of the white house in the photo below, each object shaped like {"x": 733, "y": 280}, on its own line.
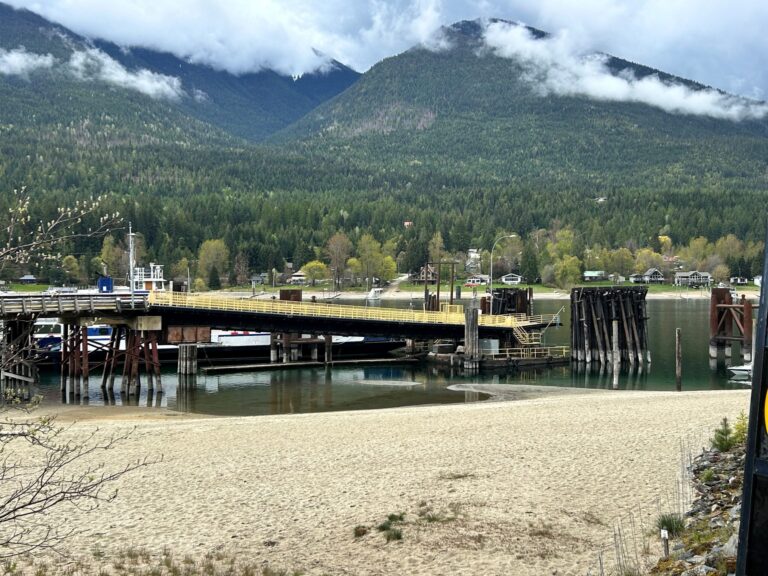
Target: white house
{"x": 693, "y": 278}
{"x": 653, "y": 276}
{"x": 512, "y": 279}
{"x": 477, "y": 280}
{"x": 738, "y": 281}
{"x": 594, "y": 275}
{"x": 298, "y": 279}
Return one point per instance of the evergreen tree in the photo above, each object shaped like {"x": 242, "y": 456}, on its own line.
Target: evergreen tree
{"x": 214, "y": 282}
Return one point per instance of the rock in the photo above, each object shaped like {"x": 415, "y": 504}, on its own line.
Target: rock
{"x": 731, "y": 546}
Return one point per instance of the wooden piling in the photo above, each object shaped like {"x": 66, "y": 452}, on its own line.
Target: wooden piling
{"x": 471, "y": 340}
{"x": 593, "y": 313}
{"x": 187, "y": 362}
{"x": 678, "y": 361}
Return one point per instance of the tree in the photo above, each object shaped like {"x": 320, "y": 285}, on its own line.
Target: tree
{"x": 112, "y": 255}
{"x": 41, "y": 466}
{"x": 44, "y": 469}
{"x": 212, "y": 253}
{"x": 567, "y": 271}
{"x": 436, "y": 247}
{"x": 339, "y": 247}
{"x": 27, "y": 240}
{"x": 214, "y": 281}
{"x": 71, "y": 268}
{"x": 241, "y": 269}
{"x": 529, "y": 266}
{"x": 370, "y": 257}
{"x": 315, "y": 270}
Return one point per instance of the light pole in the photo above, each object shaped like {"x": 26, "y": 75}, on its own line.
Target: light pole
{"x": 490, "y": 282}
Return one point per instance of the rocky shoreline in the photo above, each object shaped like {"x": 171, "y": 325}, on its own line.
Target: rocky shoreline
{"x": 708, "y": 544}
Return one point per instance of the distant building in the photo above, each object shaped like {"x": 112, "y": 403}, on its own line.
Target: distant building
{"x": 757, "y": 281}
{"x": 512, "y": 279}
{"x": 738, "y": 281}
{"x": 636, "y": 279}
{"x": 426, "y": 275}
{"x": 594, "y": 276}
{"x": 298, "y": 279}
{"x": 28, "y": 279}
{"x": 617, "y": 278}
{"x": 653, "y": 276}
{"x": 472, "y": 265}
{"x": 477, "y": 280}
{"x": 693, "y": 279}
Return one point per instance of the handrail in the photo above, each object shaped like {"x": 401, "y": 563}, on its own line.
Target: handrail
{"x": 533, "y": 353}
{"x": 56, "y": 304}
{"x": 323, "y": 310}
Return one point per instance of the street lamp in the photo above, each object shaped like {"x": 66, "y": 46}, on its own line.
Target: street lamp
{"x": 490, "y": 282}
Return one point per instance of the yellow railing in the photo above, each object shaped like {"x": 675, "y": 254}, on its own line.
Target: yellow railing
{"x": 453, "y": 315}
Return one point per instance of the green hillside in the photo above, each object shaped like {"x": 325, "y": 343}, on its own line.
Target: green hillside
{"x": 451, "y": 141}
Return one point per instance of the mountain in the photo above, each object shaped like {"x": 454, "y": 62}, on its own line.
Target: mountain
{"x": 249, "y": 106}
{"x": 453, "y": 138}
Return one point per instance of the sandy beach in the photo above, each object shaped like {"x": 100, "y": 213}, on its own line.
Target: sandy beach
{"x": 528, "y": 487}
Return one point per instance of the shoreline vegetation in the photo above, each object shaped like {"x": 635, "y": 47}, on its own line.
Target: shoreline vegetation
{"x": 527, "y": 487}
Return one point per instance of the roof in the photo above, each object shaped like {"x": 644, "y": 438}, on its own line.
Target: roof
{"x": 28, "y": 277}
{"x": 594, "y": 273}
{"x": 652, "y": 271}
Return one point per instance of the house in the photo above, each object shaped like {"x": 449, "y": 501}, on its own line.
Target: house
{"x": 738, "y": 281}
{"x": 594, "y": 275}
{"x": 477, "y": 280}
{"x": 27, "y": 279}
{"x": 472, "y": 264}
{"x": 427, "y": 275}
{"x": 757, "y": 281}
{"x": 512, "y": 279}
{"x": 298, "y": 279}
{"x": 636, "y": 278}
{"x": 653, "y": 276}
{"x": 693, "y": 279}
{"x": 617, "y": 278}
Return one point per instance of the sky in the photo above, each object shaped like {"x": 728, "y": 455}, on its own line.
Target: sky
{"x": 720, "y": 44}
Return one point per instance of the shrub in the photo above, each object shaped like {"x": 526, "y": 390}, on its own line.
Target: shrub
{"x": 740, "y": 428}
{"x": 672, "y": 523}
{"x": 361, "y": 531}
{"x": 708, "y": 475}
{"x": 394, "y": 534}
{"x": 723, "y": 440}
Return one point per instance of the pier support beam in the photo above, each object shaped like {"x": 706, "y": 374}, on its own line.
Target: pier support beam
{"x": 187, "y": 363}
{"x": 471, "y": 340}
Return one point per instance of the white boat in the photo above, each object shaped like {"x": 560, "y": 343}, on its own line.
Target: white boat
{"x": 374, "y": 295}
{"x": 742, "y": 372}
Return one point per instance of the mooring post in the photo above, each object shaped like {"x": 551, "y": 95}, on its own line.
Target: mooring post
{"x": 616, "y": 354}
{"x": 272, "y": 348}
{"x": 328, "y": 349}
{"x": 187, "y": 363}
{"x": 747, "y": 344}
{"x": 471, "y": 340}
{"x": 678, "y": 361}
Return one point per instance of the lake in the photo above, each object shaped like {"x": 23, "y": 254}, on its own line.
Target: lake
{"x": 372, "y": 387}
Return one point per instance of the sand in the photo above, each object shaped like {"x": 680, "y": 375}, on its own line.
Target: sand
{"x": 528, "y": 487}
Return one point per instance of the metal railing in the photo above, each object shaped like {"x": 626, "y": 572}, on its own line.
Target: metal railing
{"x": 57, "y": 304}
{"x": 539, "y": 352}
{"x": 316, "y": 309}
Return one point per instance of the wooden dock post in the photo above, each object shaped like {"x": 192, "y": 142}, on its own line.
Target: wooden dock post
{"x": 616, "y": 355}
{"x": 748, "y": 341}
{"x": 273, "y": 355}
{"x": 678, "y": 361}
{"x": 187, "y": 362}
{"x": 328, "y": 349}
{"x": 471, "y": 340}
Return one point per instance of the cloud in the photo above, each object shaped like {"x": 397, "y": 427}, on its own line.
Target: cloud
{"x": 556, "y": 65}
{"x": 94, "y": 64}
{"x": 19, "y": 62}
{"x": 714, "y": 42}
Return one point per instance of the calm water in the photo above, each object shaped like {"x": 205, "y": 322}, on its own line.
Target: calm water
{"x": 357, "y": 388}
